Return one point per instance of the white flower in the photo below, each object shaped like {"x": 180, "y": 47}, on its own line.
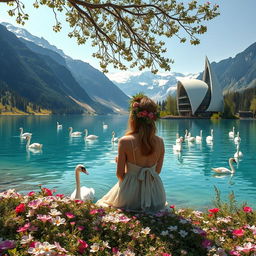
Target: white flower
{"x": 128, "y": 253}
{"x": 173, "y": 228}
{"x": 151, "y": 248}
{"x": 54, "y": 205}
{"x": 183, "y": 233}
{"x": 164, "y": 233}
{"x": 58, "y": 221}
{"x": 26, "y": 239}
{"x": 47, "y": 248}
{"x": 36, "y": 250}
{"x": 105, "y": 244}
{"x": 30, "y": 213}
{"x": 95, "y": 247}
{"x": 145, "y": 231}
{"x": 55, "y": 212}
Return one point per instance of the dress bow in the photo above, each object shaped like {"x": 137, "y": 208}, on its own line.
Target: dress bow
{"x": 146, "y": 176}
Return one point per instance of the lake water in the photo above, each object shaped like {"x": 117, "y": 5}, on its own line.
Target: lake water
{"x": 188, "y": 178}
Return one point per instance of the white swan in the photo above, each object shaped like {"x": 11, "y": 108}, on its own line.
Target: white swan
{"x": 25, "y": 134}
{"x": 82, "y": 193}
{"x": 105, "y": 126}
{"x": 74, "y": 134}
{"x": 177, "y": 147}
{"x": 186, "y": 134}
{"x": 200, "y": 137}
{"x": 90, "y": 137}
{"x": 209, "y": 139}
{"x": 59, "y": 126}
{"x": 226, "y": 170}
{"x": 33, "y": 145}
{"x": 238, "y": 153}
{"x": 114, "y": 139}
{"x": 190, "y": 138}
{"x": 231, "y": 134}
{"x": 178, "y": 138}
{"x": 237, "y": 139}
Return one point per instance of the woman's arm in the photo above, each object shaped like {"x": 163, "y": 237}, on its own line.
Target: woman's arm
{"x": 161, "y": 157}
{"x": 121, "y": 160}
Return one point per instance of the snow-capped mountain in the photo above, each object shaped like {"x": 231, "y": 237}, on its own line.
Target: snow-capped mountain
{"x": 157, "y": 86}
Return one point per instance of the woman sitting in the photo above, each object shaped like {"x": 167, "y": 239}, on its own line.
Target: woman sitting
{"x": 139, "y": 162}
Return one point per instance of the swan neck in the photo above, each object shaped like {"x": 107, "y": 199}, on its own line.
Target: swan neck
{"x": 78, "y": 187}
{"x": 86, "y": 132}
{"x": 231, "y": 166}
{"x": 70, "y": 130}
{"x": 21, "y": 131}
{"x": 28, "y": 142}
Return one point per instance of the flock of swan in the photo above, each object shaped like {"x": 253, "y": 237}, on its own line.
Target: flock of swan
{"x": 178, "y": 146}
{"x": 81, "y": 193}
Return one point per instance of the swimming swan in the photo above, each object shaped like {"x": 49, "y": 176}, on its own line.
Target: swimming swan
{"x": 209, "y": 139}
{"x": 25, "y": 134}
{"x": 190, "y": 138}
{"x": 237, "y": 139}
{"x": 105, "y": 126}
{"x": 114, "y": 139}
{"x": 238, "y": 153}
{"x": 90, "y": 137}
{"x": 82, "y": 193}
{"x": 200, "y": 137}
{"x": 59, "y": 126}
{"x": 74, "y": 134}
{"x": 226, "y": 170}
{"x": 177, "y": 147}
{"x": 231, "y": 134}
{"x": 33, "y": 145}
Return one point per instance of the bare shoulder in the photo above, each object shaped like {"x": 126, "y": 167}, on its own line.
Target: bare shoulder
{"x": 126, "y": 139}
{"x": 160, "y": 140}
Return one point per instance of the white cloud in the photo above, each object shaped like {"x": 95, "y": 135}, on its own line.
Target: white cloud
{"x": 160, "y": 82}
{"x": 143, "y": 83}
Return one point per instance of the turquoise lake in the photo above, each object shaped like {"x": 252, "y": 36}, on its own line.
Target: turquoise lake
{"x": 188, "y": 178}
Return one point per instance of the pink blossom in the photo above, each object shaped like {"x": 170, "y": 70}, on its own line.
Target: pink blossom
{"x": 235, "y": 253}
{"x": 135, "y": 104}
{"x": 31, "y": 193}
{"x": 24, "y": 228}
{"x": 47, "y": 191}
{"x": 79, "y": 201}
{"x": 206, "y": 243}
{"x": 7, "y": 244}
{"x": 213, "y": 210}
{"x": 70, "y": 215}
{"x": 60, "y": 195}
{"x": 247, "y": 209}
{"x": 82, "y": 246}
{"x": 20, "y": 208}
{"x": 144, "y": 113}
{"x": 44, "y": 218}
{"x": 72, "y": 223}
{"x": 94, "y": 211}
{"x": 115, "y": 250}
{"x": 166, "y": 254}
{"x": 80, "y": 228}
{"x": 238, "y": 232}
{"x": 59, "y": 248}
{"x": 35, "y": 203}
{"x": 172, "y": 206}
{"x": 247, "y": 247}
{"x": 151, "y": 115}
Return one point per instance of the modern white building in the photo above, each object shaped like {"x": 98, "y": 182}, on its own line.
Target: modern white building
{"x": 200, "y": 97}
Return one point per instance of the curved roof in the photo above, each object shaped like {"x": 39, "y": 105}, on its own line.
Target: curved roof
{"x": 196, "y": 91}
{"x": 216, "y": 103}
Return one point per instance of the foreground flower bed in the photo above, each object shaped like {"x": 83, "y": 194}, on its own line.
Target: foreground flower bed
{"x": 46, "y": 224}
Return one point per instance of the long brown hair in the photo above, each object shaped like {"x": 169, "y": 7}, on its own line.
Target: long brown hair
{"x": 146, "y": 129}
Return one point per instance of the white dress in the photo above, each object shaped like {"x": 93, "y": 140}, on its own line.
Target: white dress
{"x": 141, "y": 190}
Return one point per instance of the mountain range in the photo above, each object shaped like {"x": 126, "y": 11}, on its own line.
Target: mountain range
{"x": 45, "y": 76}
{"x": 234, "y": 74}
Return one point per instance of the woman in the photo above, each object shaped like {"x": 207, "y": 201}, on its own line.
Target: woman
{"x": 139, "y": 162}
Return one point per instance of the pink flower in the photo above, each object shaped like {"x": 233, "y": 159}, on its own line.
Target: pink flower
{"x": 115, "y": 250}
{"x": 238, "y": 232}
{"x": 82, "y": 246}
{"x": 172, "y": 206}
{"x": 247, "y": 209}
{"x": 20, "y": 208}
{"x": 151, "y": 115}
{"x": 70, "y": 215}
{"x": 213, "y": 210}
{"x": 166, "y": 254}
{"x": 72, "y": 223}
{"x": 234, "y": 253}
{"x": 79, "y": 201}
{"x": 206, "y": 243}
{"x": 47, "y": 191}
{"x": 31, "y": 193}
{"x": 144, "y": 113}
{"x": 60, "y": 195}
{"x": 7, "y": 244}
{"x": 24, "y": 228}
{"x": 35, "y": 203}
{"x": 135, "y": 104}
{"x": 80, "y": 228}
{"x": 44, "y": 218}
{"x": 93, "y": 211}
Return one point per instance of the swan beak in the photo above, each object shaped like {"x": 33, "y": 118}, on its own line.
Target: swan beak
{"x": 235, "y": 160}
{"x": 84, "y": 170}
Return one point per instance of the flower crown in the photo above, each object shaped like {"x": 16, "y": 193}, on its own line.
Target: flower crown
{"x": 138, "y": 112}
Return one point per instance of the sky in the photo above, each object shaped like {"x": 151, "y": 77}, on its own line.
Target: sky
{"x": 228, "y": 34}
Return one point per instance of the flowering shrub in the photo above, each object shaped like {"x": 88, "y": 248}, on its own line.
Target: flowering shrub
{"x": 46, "y": 224}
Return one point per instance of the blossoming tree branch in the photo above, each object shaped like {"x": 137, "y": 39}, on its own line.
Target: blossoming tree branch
{"x": 127, "y": 33}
